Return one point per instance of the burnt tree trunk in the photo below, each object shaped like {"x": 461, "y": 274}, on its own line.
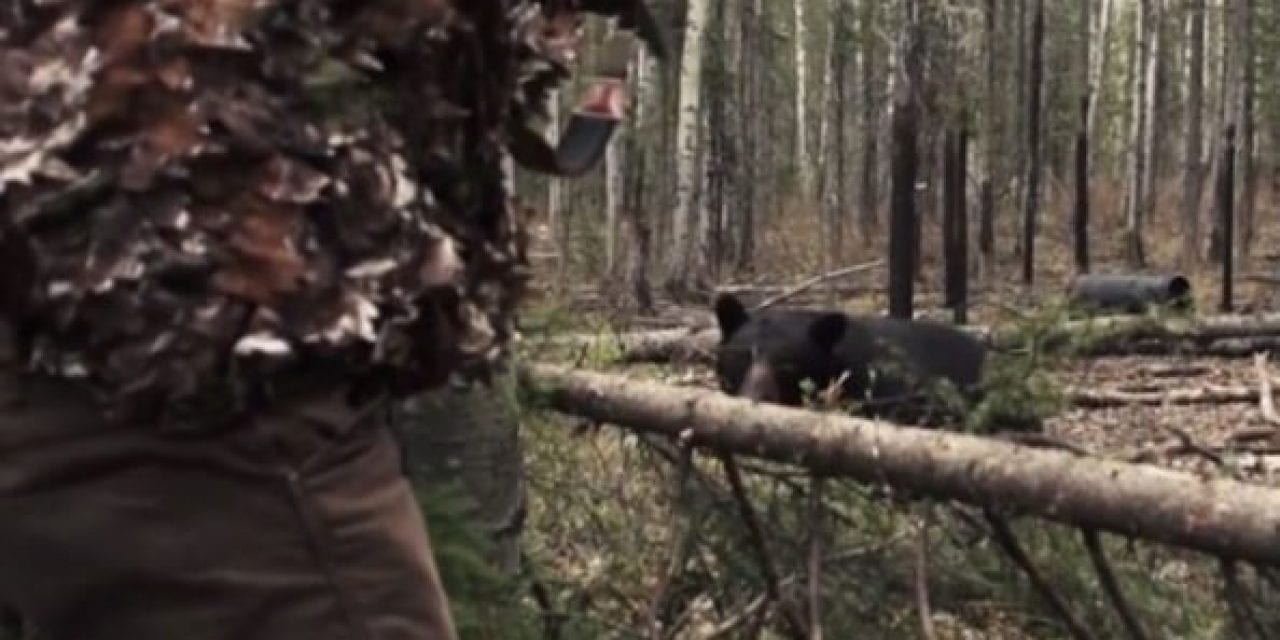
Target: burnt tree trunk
{"x": 1081, "y": 222}
{"x": 904, "y": 225}
{"x": 956, "y": 227}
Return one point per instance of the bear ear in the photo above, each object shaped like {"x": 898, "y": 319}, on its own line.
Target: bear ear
{"x": 828, "y": 329}
{"x": 730, "y": 314}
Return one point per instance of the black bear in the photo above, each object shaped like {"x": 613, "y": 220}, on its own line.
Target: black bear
{"x": 891, "y": 368}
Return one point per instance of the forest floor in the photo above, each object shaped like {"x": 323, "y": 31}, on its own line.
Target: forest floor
{"x": 606, "y": 515}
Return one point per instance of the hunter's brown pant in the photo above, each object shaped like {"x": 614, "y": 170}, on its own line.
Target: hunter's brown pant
{"x": 298, "y": 524}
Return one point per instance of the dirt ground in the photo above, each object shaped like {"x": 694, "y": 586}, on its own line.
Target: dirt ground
{"x": 1205, "y": 429}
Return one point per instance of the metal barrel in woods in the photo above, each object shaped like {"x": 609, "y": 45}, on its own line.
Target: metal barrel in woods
{"x": 1226, "y": 215}
{"x": 1130, "y": 293}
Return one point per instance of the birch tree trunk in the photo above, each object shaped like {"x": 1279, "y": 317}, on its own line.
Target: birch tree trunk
{"x": 803, "y": 162}
{"x": 868, "y": 211}
{"x": 636, "y": 227}
{"x": 1193, "y": 180}
{"x": 613, "y": 188}
{"x": 826, "y": 100}
{"x": 685, "y": 264}
{"x": 555, "y": 203}
{"x": 1152, "y": 109}
{"x": 1099, "y": 67}
{"x": 1084, "y": 44}
{"x": 1137, "y": 138}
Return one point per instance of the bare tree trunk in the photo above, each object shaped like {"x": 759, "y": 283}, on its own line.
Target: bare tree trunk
{"x": 1084, "y": 44}
{"x": 750, "y": 117}
{"x": 1226, "y": 213}
{"x": 1227, "y": 107}
{"x": 826, "y": 100}
{"x": 1023, "y": 44}
{"x": 1248, "y": 127}
{"x": 1034, "y": 169}
{"x": 835, "y": 123}
{"x": 986, "y": 235}
{"x": 555, "y": 205}
{"x": 803, "y": 162}
{"x": 1137, "y": 138}
{"x": 868, "y": 214}
{"x": 904, "y": 225}
{"x": 1153, "y": 110}
{"x": 1097, "y": 73}
{"x": 1081, "y": 218}
{"x": 613, "y": 194}
{"x": 636, "y": 224}
{"x": 686, "y": 264}
{"x": 1193, "y": 179}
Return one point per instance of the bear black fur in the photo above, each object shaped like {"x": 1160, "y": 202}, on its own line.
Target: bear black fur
{"x": 891, "y": 367}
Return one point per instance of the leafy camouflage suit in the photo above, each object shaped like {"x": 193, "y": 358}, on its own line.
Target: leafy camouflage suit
{"x": 232, "y": 230}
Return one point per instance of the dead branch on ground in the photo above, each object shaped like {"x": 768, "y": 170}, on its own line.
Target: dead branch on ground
{"x": 679, "y": 542}
{"x": 1110, "y": 585}
{"x": 1008, "y": 541}
{"x": 756, "y": 536}
{"x": 1266, "y": 402}
{"x": 817, "y": 280}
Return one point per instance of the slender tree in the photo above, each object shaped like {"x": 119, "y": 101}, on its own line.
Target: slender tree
{"x": 800, "y": 49}
{"x": 871, "y": 109}
{"x": 1248, "y": 126}
{"x": 1192, "y": 181}
{"x": 1081, "y": 221}
{"x": 904, "y": 226}
{"x": 1035, "y": 89}
{"x": 1134, "y": 202}
{"x": 686, "y": 265}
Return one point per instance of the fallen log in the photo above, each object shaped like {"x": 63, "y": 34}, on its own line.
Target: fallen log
{"x": 1215, "y": 336}
{"x": 692, "y": 347}
{"x": 1211, "y": 394}
{"x": 1215, "y": 516}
